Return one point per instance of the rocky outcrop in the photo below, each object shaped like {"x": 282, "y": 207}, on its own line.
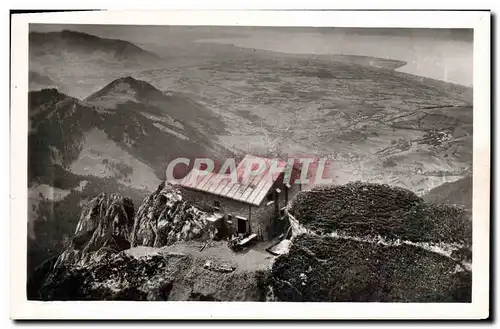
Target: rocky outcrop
{"x": 164, "y": 218}
{"x": 104, "y": 227}
{"x": 107, "y": 225}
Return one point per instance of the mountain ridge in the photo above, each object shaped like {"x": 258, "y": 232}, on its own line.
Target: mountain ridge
{"x": 88, "y": 43}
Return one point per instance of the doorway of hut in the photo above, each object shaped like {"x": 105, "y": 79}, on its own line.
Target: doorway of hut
{"x": 242, "y": 225}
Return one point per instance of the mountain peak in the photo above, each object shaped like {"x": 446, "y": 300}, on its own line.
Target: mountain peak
{"x": 127, "y": 89}
{"x": 133, "y": 83}
{"x": 127, "y": 79}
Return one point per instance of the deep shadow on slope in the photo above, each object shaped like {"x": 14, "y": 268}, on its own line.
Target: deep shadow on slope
{"x": 57, "y": 123}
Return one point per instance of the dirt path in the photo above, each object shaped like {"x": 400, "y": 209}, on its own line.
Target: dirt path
{"x": 252, "y": 259}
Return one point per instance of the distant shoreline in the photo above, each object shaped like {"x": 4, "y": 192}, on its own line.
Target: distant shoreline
{"x": 386, "y": 63}
{"x": 369, "y": 61}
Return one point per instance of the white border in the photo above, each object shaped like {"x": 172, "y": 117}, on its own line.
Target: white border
{"x": 414, "y": 19}
{"x": 23, "y": 309}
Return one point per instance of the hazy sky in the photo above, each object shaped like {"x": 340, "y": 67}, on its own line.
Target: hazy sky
{"x": 436, "y": 53}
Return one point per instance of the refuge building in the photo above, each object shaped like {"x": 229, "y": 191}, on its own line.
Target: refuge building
{"x": 248, "y": 204}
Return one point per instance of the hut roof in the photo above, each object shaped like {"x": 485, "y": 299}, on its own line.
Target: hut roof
{"x": 250, "y": 189}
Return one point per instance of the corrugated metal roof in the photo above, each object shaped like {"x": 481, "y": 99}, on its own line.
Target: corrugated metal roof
{"x": 251, "y": 190}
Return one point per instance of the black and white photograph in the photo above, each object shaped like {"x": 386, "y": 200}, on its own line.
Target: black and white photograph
{"x": 209, "y": 163}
